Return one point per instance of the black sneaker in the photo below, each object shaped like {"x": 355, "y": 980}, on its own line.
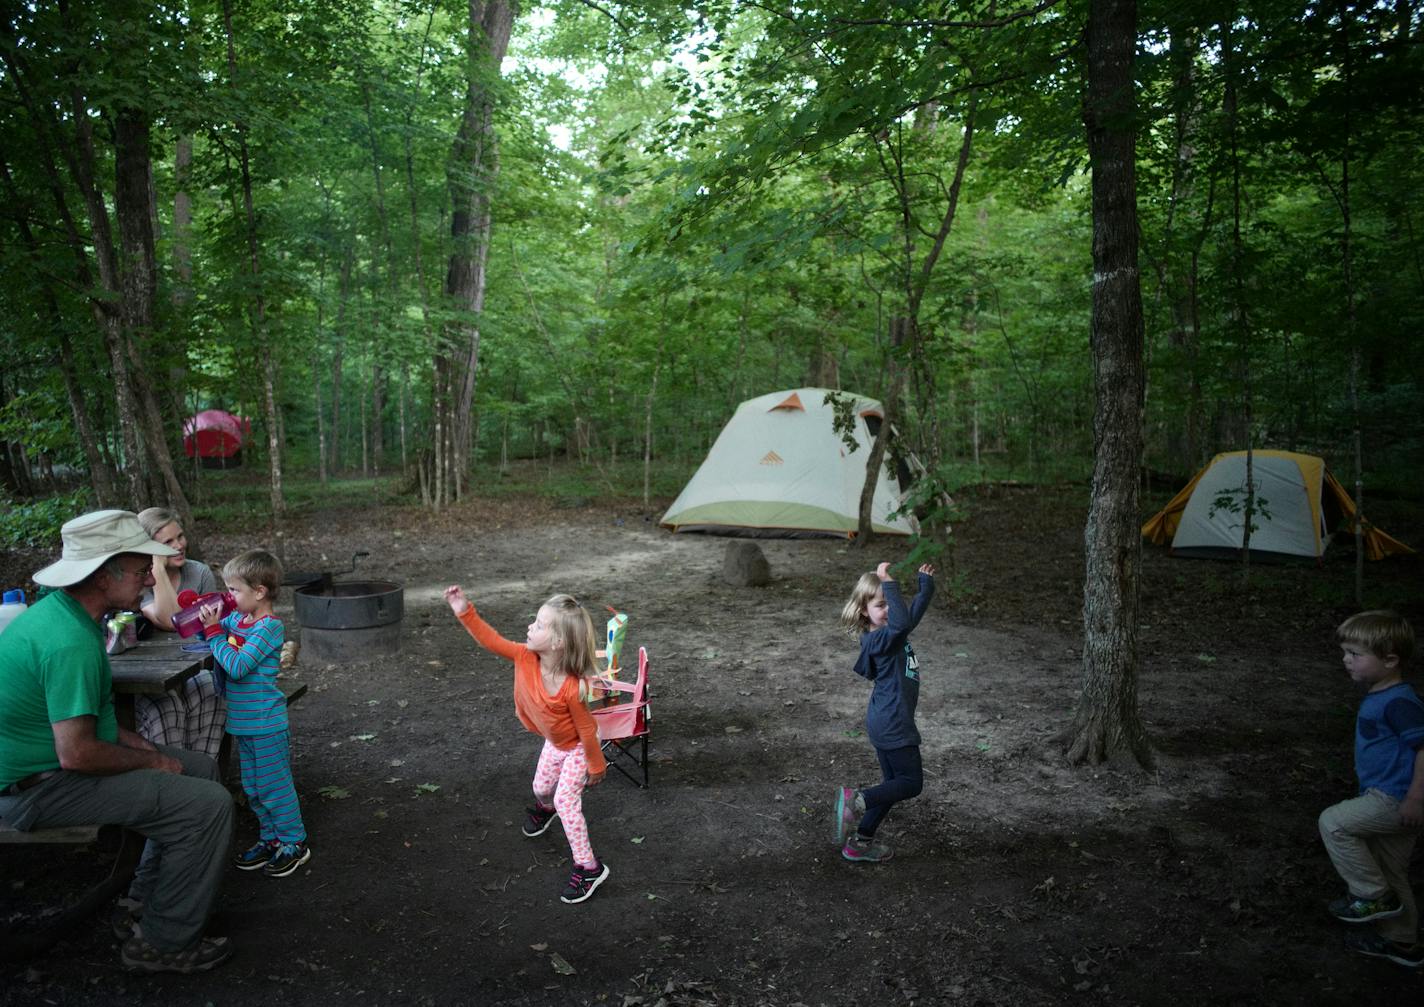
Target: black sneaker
{"x": 1411, "y": 956}
{"x": 288, "y": 858}
{"x": 583, "y": 882}
{"x": 256, "y": 856}
{"x": 1355, "y": 910}
{"x": 538, "y": 819}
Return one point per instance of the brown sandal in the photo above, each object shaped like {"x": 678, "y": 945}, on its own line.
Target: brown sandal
{"x": 140, "y": 956}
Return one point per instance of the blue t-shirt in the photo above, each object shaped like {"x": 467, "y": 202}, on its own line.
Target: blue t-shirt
{"x": 888, "y": 660}
{"x": 1388, "y": 732}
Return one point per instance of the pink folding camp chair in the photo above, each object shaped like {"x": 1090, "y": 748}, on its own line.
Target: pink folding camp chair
{"x": 624, "y": 725}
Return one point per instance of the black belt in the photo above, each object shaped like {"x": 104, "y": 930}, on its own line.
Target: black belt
{"x": 33, "y": 780}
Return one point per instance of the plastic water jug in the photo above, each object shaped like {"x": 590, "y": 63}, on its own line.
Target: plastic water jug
{"x": 617, "y": 629}
{"x": 186, "y": 620}
{"x": 13, "y": 605}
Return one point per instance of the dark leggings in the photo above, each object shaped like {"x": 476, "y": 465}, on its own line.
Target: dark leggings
{"x": 904, "y": 779}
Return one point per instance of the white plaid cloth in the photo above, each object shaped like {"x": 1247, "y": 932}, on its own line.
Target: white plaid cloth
{"x": 191, "y": 718}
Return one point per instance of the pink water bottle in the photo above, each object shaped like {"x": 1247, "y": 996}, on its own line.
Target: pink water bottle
{"x": 186, "y": 621}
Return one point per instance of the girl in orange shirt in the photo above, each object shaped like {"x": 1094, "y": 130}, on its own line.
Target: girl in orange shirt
{"x": 549, "y": 669}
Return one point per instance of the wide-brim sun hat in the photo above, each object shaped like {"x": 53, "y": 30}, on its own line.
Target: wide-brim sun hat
{"x": 92, "y": 538}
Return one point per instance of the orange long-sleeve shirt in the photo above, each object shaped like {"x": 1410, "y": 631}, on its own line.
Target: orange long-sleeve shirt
{"x": 562, "y": 718}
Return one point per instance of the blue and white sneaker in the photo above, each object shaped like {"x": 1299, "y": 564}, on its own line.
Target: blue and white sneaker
{"x": 288, "y": 858}
{"x": 256, "y": 856}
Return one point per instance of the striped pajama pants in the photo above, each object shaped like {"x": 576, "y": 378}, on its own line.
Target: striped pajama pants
{"x": 559, "y": 780}
{"x": 266, "y": 765}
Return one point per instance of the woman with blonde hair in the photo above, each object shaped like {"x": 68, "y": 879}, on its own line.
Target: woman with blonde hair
{"x": 194, "y": 717}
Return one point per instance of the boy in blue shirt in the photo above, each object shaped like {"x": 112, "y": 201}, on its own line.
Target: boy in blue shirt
{"x": 1370, "y": 837}
{"x": 247, "y": 645}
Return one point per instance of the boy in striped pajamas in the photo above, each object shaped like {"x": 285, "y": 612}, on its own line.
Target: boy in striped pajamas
{"x": 247, "y": 646}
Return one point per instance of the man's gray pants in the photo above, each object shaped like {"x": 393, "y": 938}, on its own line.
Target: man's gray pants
{"x": 187, "y": 819}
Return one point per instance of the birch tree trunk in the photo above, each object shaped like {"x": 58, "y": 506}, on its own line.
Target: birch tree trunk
{"x": 1107, "y": 719}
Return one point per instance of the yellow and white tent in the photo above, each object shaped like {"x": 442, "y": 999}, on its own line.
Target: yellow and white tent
{"x": 780, "y": 468}
{"x": 1301, "y": 504}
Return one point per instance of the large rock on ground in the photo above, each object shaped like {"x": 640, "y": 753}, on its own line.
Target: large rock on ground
{"x": 745, "y": 565}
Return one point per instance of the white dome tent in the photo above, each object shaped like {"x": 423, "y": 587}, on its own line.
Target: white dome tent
{"x": 1301, "y": 505}
{"x": 779, "y": 468}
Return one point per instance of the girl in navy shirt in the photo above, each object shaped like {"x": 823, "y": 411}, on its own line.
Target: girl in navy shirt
{"x": 877, "y": 611}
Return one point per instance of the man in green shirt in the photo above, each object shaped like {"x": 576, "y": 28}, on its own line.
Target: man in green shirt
{"x": 64, "y": 760}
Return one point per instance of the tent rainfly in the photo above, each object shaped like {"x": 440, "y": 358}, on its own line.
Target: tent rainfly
{"x": 216, "y": 437}
{"x": 1301, "y": 504}
{"x": 779, "y": 468}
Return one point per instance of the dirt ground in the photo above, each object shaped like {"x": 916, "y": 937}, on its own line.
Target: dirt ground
{"x": 1016, "y": 879}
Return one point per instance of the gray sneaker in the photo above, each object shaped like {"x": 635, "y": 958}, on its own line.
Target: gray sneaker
{"x": 1411, "y": 956}
{"x": 858, "y": 849}
{"x": 1356, "y": 910}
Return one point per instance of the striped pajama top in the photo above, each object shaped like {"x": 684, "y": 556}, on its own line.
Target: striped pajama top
{"x": 249, "y": 654}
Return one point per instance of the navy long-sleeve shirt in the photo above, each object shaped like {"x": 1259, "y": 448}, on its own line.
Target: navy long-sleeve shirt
{"x": 888, "y": 660}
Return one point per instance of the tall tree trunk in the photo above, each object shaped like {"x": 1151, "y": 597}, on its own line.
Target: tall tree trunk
{"x": 906, "y": 328}
{"x": 104, "y": 295}
{"x": 133, "y": 206}
{"x": 1107, "y": 718}
{"x": 182, "y": 222}
{"x": 1240, "y": 321}
{"x": 470, "y": 178}
{"x": 378, "y": 383}
{"x": 82, "y": 162}
{"x": 265, "y": 359}
{"x": 320, "y": 426}
{"x": 338, "y": 345}
{"x": 182, "y": 297}
{"x": 1352, "y": 331}
{"x": 1178, "y": 274}
{"x": 101, "y": 477}
{"x": 900, "y": 329}
{"x": 404, "y": 389}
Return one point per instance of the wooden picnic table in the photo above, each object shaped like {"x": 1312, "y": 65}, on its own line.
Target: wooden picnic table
{"x": 153, "y": 667}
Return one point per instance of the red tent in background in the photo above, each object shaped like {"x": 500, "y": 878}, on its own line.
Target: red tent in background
{"x": 216, "y": 437}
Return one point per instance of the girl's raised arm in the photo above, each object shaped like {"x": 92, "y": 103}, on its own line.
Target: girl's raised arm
{"x": 482, "y": 631}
